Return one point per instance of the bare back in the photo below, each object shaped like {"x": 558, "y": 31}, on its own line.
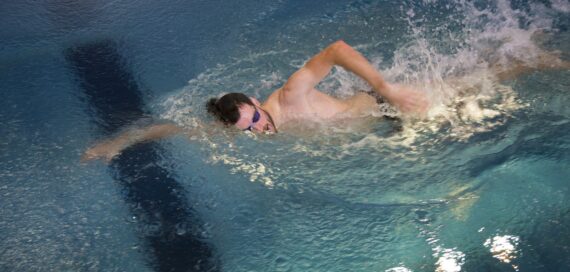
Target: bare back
{"x": 316, "y": 105}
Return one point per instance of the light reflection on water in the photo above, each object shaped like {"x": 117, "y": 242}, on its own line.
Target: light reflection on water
{"x": 504, "y": 248}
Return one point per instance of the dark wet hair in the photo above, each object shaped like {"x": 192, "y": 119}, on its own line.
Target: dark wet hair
{"x": 226, "y": 108}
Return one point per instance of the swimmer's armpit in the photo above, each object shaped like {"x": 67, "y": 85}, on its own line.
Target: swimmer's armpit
{"x": 108, "y": 149}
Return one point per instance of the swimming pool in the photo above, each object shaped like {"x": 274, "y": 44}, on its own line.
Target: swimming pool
{"x": 481, "y": 188}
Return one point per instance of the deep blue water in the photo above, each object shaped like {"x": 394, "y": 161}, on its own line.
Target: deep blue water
{"x": 451, "y": 193}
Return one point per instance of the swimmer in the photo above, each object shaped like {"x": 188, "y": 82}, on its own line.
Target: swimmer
{"x": 298, "y": 100}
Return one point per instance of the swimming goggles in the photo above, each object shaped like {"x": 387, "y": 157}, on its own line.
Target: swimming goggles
{"x": 254, "y": 120}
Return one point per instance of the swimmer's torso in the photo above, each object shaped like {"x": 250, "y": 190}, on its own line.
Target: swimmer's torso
{"x": 317, "y": 106}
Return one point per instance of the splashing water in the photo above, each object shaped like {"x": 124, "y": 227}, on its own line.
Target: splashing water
{"x": 467, "y": 98}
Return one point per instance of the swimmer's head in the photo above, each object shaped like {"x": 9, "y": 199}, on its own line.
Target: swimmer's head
{"x": 226, "y": 108}
{"x": 241, "y": 111}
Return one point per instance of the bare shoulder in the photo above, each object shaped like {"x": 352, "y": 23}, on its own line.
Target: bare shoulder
{"x": 276, "y": 99}
{"x": 274, "y": 104}
{"x": 285, "y": 98}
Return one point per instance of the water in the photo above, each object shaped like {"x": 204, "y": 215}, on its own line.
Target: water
{"x": 480, "y": 185}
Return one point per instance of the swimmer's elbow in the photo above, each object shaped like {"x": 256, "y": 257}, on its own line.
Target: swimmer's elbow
{"x": 339, "y": 46}
{"x": 340, "y": 43}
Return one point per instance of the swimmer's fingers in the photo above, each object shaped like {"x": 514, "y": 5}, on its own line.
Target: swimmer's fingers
{"x": 90, "y": 155}
{"x": 415, "y": 102}
{"x": 409, "y": 100}
{"x": 421, "y": 104}
{"x": 87, "y": 156}
{"x": 105, "y": 151}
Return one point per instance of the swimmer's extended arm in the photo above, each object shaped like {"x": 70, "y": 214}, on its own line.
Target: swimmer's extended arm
{"x": 110, "y": 148}
{"x": 544, "y": 61}
{"x": 303, "y": 81}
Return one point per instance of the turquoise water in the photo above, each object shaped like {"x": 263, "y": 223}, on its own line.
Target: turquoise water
{"x": 482, "y": 187}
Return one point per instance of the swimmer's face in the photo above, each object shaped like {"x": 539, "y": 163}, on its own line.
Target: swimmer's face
{"x": 254, "y": 118}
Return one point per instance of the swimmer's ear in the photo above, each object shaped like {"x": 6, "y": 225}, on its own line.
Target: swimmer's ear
{"x": 255, "y": 101}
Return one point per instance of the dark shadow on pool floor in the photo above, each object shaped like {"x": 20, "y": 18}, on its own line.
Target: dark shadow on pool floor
{"x": 167, "y": 224}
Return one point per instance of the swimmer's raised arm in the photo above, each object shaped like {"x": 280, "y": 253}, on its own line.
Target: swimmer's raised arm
{"x": 110, "y": 148}
{"x": 339, "y": 53}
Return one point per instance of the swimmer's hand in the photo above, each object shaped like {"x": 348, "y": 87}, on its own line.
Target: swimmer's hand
{"x": 105, "y": 150}
{"x": 407, "y": 99}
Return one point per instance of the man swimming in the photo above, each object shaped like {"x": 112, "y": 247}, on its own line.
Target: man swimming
{"x": 298, "y": 101}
